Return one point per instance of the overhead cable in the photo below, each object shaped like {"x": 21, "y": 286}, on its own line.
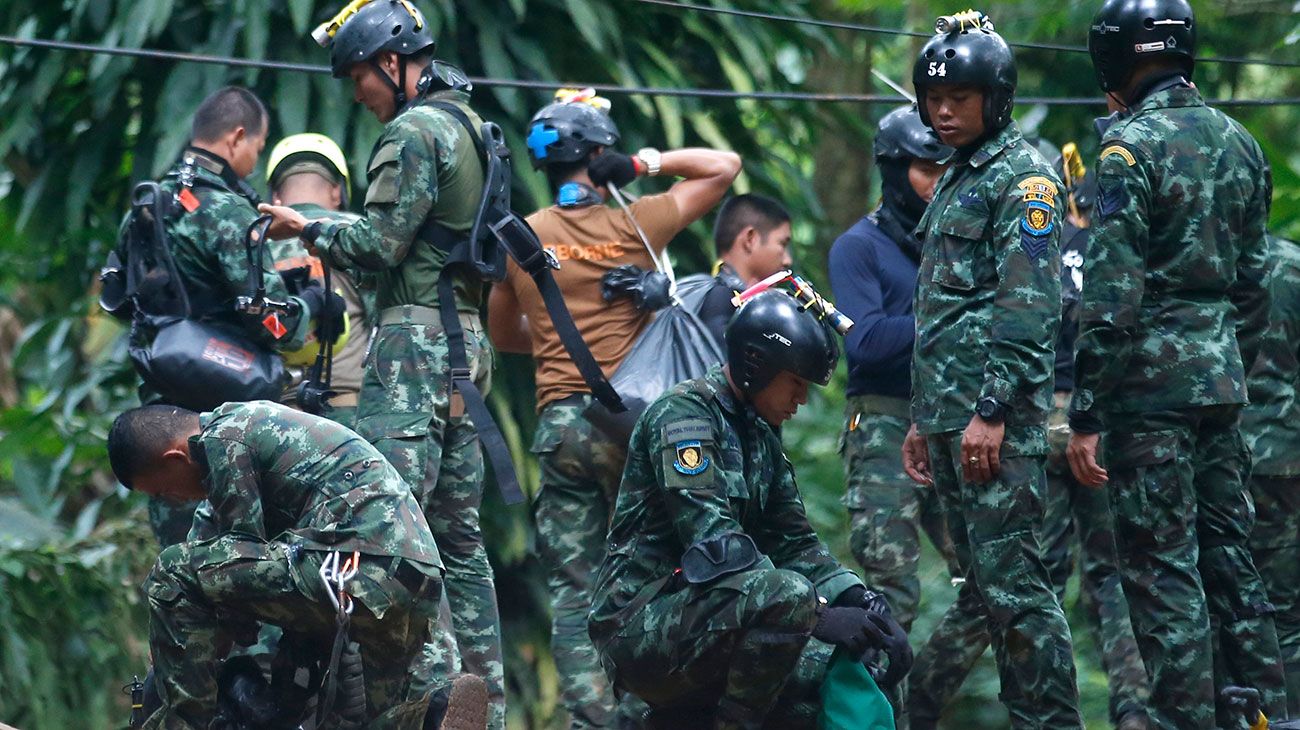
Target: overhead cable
{"x": 686, "y": 92}
{"x": 844, "y": 25}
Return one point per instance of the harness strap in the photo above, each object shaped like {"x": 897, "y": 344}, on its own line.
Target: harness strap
{"x": 462, "y": 381}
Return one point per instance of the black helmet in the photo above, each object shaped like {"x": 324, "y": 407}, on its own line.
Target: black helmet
{"x": 380, "y": 25}
{"x": 1127, "y": 31}
{"x": 568, "y": 132}
{"x": 967, "y": 51}
{"x": 771, "y": 333}
{"x": 902, "y": 136}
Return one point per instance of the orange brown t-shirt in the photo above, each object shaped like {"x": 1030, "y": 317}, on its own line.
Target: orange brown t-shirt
{"x": 589, "y": 241}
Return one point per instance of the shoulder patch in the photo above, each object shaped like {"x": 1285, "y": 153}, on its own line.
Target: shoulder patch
{"x": 690, "y": 457}
{"x": 1121, "y": 151}
{"x": 688, "y": 429}
{"x": 1038, "y": 189}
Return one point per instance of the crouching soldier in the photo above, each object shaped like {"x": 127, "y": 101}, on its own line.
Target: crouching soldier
{"x": 715, "y": 583}
{"x": 285, "y": 493}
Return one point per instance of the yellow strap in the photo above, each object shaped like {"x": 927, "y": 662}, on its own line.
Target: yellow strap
{"x": 1261, "y": 723}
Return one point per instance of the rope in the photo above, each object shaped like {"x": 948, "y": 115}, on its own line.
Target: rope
{"x": 549, "y": 86}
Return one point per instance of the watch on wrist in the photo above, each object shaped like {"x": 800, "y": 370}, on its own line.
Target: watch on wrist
{"x": 990, "y": 409}
{"x": 652, "y": 158}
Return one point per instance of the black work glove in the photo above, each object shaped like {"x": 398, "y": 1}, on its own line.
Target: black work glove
{"x": 611, "y": 167}
{"x": 323, "y": 307}
{"x": 650, "y": 290}
{"x": 848, "y": 628}
{"x": 890, "y": 638}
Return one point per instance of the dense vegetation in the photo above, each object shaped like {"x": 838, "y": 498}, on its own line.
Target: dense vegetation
{"x": 77, "y": 129}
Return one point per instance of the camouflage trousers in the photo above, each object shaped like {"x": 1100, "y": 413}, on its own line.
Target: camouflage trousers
{"x": 996, "y": 530}
{"x": 407, "y": 411}
{"x": 737, "y": 650}
{"x": 203, "y": 594}
{"x": 962, "y": 636}
{"x": 1183, "y": 517}
{"x": 1275, "y": 545}
{"x": 580, "y": 472}
{"x": 888, "y": 512}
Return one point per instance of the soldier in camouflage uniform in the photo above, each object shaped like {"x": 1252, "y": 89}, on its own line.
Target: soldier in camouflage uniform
{"x": 957, "y": 643}
{"x": 1271, "y": 425}
{"x": 715, "y": 583}
{"x": 987, "y": 314}
{"x": 1172, "y": 317}
{"x": 424, "y": 169}
{"x": 573, "y": 140}
{"x": 207, "y": 244}
{"x": 284, "y": 489}
{"x": 309, "y": 173}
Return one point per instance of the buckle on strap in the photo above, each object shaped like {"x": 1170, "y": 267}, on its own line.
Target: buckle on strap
{"x": 459, "y": 374}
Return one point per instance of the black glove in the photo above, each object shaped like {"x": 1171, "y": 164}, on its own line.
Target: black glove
{"x": 848, "y": 628}
{"x": 323, "y": 307}
{"x": 611, "y": 167}
{"x": 893, "y": 643}
{"x": 650, "y": 290}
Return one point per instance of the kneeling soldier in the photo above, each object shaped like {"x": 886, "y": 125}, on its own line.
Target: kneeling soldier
{"x": 715, "y": 581}
{"x": 285, "y": 492}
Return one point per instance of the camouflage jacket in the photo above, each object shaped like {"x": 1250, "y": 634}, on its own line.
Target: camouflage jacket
{"x": 423, "y": 166}
{"x": 1271, "y": 423}
{"x": 207, "y": 244}
{"x": 1175, "y": 299}
{"x": 274, "y": 473}
{"x": 988, "y": 296}
{"x": 700, "y": 464}
{"x": 349, "y": 363}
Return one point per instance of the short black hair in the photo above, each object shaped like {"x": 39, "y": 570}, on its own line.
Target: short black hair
{"x": 139, "y": 436}
{"x": 226, "y": 110}
{"x": 743, "y": 211}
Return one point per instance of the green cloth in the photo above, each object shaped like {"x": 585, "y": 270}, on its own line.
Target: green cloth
{"x": 850, "y": 698}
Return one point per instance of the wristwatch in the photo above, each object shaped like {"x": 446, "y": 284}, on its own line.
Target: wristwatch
{"x": 990, "y": 409}
{"x": 651, "y": 157}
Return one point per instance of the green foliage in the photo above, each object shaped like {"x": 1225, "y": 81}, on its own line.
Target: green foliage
{"x": 79, "y": 129}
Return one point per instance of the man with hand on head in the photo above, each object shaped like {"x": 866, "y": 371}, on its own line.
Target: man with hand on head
{"x": 573, "y": 140}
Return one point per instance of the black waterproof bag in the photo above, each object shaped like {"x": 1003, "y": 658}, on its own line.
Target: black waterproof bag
{"x": 189, "y": 362}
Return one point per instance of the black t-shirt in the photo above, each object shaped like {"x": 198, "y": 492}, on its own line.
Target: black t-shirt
{"x": 716, "y": 307}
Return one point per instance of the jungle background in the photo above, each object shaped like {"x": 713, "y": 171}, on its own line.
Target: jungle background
{"x": 77, "y": 130}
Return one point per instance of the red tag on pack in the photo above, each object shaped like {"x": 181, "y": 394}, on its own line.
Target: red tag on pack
{"x": 272, "y": 324}
{"x": 188, "y": 200}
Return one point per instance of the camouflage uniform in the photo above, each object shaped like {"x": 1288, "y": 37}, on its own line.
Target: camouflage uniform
{"x": 987, "y": 314}
{"x": 347, "y": 367}
{"x": 700, "y": 465}
{"x": 1174, "y": 306}
{"x": 887, "y": 510}
{"x": 207, "y": 245}
{"x": 1271, "y": 425}
{"x": 960, "y": 639}
{"x": 425, "y": 166}
{"x": 285, "y": 489}
{"x": 580, "y": 469}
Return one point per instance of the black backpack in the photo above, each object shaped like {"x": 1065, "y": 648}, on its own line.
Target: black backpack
{"x": 191, "y": 362}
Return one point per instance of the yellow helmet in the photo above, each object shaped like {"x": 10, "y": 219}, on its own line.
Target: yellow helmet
{"x": 308, "y": 143}
{"x": 306, "y": 355}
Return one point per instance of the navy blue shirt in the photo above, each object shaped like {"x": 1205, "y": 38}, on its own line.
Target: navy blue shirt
{"x": 873, "y": 281}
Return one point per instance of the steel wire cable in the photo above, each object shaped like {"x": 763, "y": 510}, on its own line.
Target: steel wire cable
{"x": 687, "y": 92}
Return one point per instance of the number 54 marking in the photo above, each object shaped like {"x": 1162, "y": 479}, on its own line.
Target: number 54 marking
{"x": 938, "y": 69}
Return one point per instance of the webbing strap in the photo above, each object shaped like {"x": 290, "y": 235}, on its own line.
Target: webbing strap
{"x": 573, "y": 343}
{"x": 462, "y": 381}
{"x": 522, "y": 245}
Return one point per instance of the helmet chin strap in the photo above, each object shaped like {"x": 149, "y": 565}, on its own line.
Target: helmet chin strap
{"x": 399, "y": 86}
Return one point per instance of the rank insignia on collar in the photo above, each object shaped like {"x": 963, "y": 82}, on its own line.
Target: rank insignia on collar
{"x": 690, "y": 458}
